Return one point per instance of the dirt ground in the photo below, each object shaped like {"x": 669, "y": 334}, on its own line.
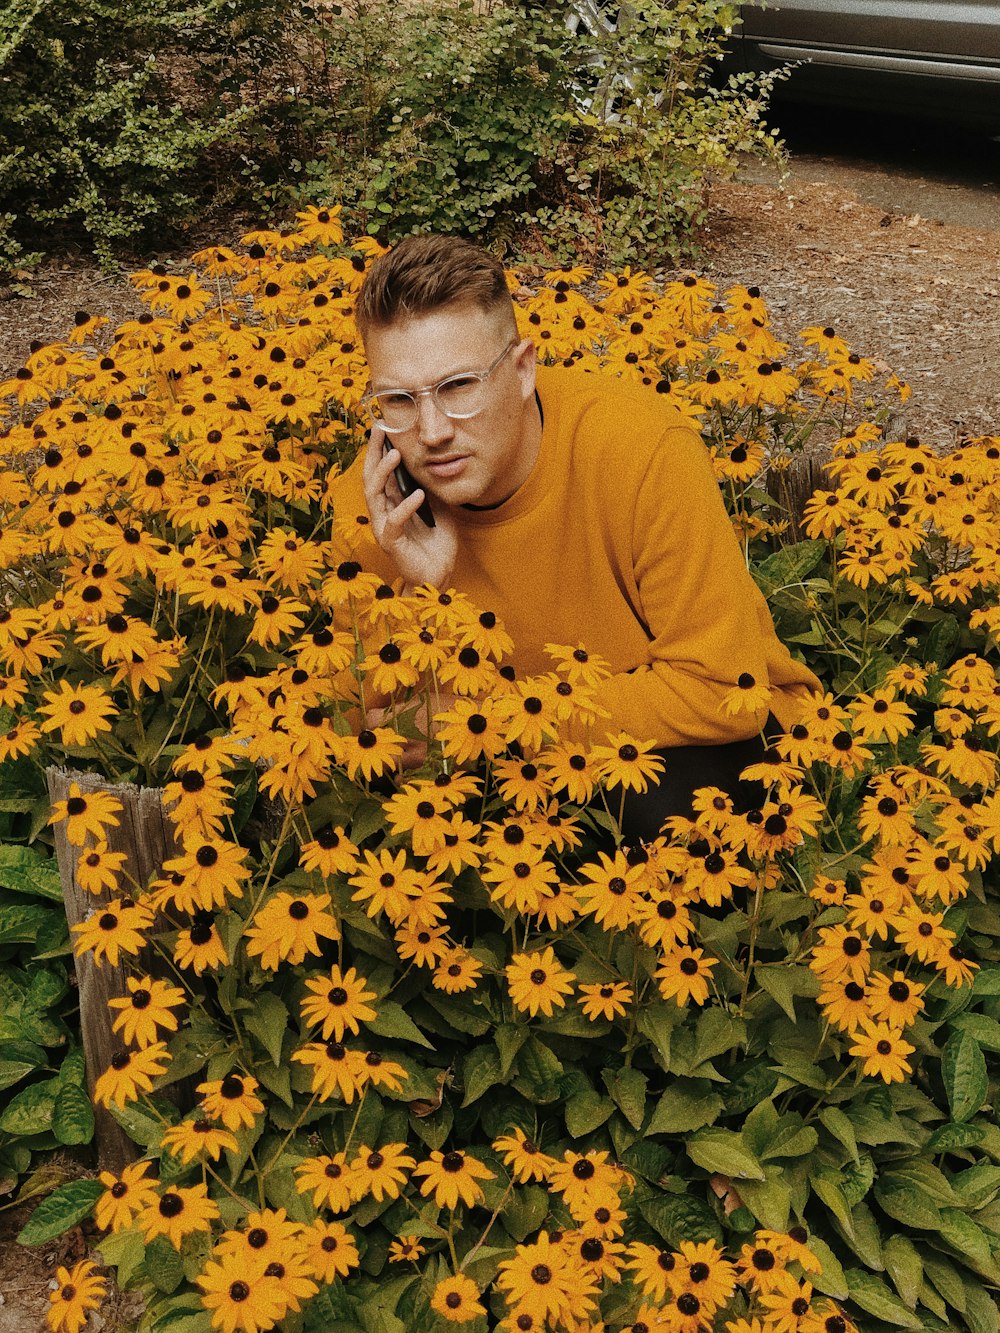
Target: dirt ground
{"x": 919, "y": 295}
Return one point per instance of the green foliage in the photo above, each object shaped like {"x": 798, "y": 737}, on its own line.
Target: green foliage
{"x": 43, "y": 1092}
{"x": 123, "y": 123}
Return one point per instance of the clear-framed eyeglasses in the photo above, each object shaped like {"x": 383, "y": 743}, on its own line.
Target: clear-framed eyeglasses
{"x": 457, "y": 396}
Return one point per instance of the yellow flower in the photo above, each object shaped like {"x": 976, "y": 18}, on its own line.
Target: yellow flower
{"x": 453, "y": 1177}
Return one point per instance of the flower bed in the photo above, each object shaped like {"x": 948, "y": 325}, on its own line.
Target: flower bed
{"x": 462, "y": 1057}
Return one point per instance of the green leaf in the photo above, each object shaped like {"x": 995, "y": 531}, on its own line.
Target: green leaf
{"x": 784, "y": 983}
{"x": 788, "y": 566}
{"x": 25, "y": 870}
{"x": 268, "y": 1022}
{"x": 21, "y": 922}
{"x": 73, "y": 1115}
{"x": 62, "y": 1209}
{"x": 963, "y": 1069}
{"x": 826, "y": 1186}
{"x": 792, "y": 1138}
{"x": 30, "y": 1111}
{"x": 124, "y": 1251}
{"x": 981, "y": 1312}
{"x": 841, "y": 1128}
{"x": 392, "y": 1021}
{"x": 905, "y": 1267}
{"x": 480, "y": 1072}
{"x": 164, "y": 1266}
{"x": 509, "y": 1037}
{"x": 769, "y": 1200}
{"x": 12, "y": 1071}
{"x": 723, "y": 1151}
{"x": 950, "y": 1137}
{"x": 984, "y": 1031}
{"x": 874, "y": 1297}
{"x": 656, "y": 1022}
{"x": 525, "y": 1211}
{"x": 628, "y": 1091}
{"x": 677, "y": 1217}
{"x": 968, "y": 1240}
{"x": 941, "y": 642}
{"x": 945, "y": 1279}
{"x": 832, "y": 1281}
{"x": 907, "y": 1204}
{"x": 586, "y": 1111}
{"x": 986, "y": 982}
{"x": 538, "y": 1072}
{"x": 685, "y": 1107}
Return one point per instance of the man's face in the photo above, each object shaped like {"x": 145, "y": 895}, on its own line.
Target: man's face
{"x": 481, "y": 460}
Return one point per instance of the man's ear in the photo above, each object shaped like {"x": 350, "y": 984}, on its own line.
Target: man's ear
{"x": 526, "y": 363}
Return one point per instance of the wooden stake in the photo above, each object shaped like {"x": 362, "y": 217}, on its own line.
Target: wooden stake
{"x": 146, "y": 836}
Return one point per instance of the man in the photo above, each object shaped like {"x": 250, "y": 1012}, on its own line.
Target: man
{"x": 579, "y": 509}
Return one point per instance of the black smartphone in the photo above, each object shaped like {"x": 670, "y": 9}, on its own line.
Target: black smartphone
{"x": 407, "y": 486}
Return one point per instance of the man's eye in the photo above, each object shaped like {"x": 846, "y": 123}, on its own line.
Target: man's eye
{"x": 459, "y": 385}
{"x": 388, "y": 401}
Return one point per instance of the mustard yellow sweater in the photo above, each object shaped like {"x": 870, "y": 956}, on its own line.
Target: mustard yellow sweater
{"x": 619, "y": 540}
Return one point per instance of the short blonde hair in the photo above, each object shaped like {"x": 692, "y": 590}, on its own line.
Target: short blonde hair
{"x": 423, "y": 274}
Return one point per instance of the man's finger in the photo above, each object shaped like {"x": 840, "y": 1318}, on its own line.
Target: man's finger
{"x": 398, "y": 517}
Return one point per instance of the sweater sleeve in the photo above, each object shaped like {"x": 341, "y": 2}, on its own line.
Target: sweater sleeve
{"x": 700, "y": 607}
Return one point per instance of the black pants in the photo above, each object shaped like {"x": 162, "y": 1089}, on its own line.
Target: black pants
{"x": 689, "y": 767}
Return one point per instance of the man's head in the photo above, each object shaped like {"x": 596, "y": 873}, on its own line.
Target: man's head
{"x": 424, "y": 274}
{"x": 434, "y": 308}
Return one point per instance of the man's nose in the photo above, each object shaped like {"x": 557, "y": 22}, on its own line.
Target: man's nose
{"x": 432, "y": 424}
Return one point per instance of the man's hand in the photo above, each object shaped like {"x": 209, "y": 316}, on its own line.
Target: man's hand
{"x": 415, "y": 754}
{"x": 420, "y": 554}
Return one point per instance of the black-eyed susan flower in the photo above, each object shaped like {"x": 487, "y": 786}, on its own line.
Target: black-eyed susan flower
{"x": 338, "y": 1002}
{"x": 77, "y": 712}
{"x": 456, "y": 1299}
{"x": 86, "y": 816}
{"x": 380, "y": 1172}
{"x": 842, "y": 952}
{"x": 180, "y": 1211}
{"x": 685, "y": 974}
{"x": 538, "y": 982}
{"x": 335, "y": 1068}
{"x": 117, "y": 927}
{"x": 124, "y": 1196}
{"x": 405, "y": 1249}
{"x": 200, "y": 947}
{"x": 77, "y": 1291}
{"x": 329, "y": 1178}
{"x": 232, "y": 1099}
{"x": 98, "y": 869}
{"x": 457, "y": 970}
{"x": 148, "y": 1006}
{"x": 883, "y": 1051}
{"x": 328, "y": 1250}
{"x": 522, "y": 1156}
{"x": 374, "y": 751}
{"x": 545, "y": 1283}
{"x": 290, "y": 926}
{"x": 453, "y": 1177}
{"x": 845, "y": 1004}
{"x": 470, "y": 730}
{"x": 193, "y": 1140}
{"x": 607, "y": 1000}
{"x": 212, "y": 870}
{"x": 239, "y": 1300}
{"x": 627, "y": 763}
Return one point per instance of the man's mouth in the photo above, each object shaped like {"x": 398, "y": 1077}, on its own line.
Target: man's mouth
{"x": 450, "y": 466}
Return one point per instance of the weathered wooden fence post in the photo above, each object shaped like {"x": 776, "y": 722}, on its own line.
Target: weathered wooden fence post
{"x": 146, "y": 836}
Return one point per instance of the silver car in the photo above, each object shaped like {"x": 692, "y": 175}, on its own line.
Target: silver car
{"x": 932, "y": 57}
